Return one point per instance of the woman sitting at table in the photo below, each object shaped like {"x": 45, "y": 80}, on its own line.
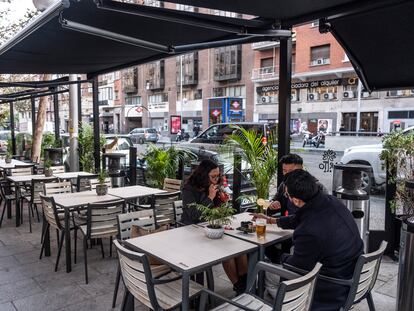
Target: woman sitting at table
{"x": 203, "y": 187}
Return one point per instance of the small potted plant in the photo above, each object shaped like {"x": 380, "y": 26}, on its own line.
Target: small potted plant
{"x": 102, "y": 188}
{"x": 217, "y": 218}
{"x": 48, "y": 168}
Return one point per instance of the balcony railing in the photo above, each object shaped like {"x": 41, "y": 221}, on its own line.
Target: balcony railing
{"x": 267, "y": 73}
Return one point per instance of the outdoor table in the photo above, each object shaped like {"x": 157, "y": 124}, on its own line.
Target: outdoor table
{"x": 187, "y": 250}
{"x": 274, "y": 235}
{"x": 17, "y": 181}
{"x": 133, "y": 192}
{"x": 71, "y": 175}
{"x": 69, "y": 201}
{"x": 5, "y": 166}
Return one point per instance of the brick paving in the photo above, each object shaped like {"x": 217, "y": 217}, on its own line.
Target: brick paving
{"x": 30, "y": 284}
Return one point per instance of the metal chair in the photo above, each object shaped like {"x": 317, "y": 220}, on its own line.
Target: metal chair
{"x": 178, "y": 211}
{"x": 143, "y": 219}
{"x": 83, "y": 183}
{"x": 101, "y": 222}
{"x": 58, "y": 169}
{"x": 172, "y": 185}
{"x": 54, "y": 217}
{"x": 163, "y": 206}
{"x": 22, "y": 170}
{"x": 294, "y": 294}
{"x": 33, "y": 199}
{"x": 163, "y": 293}
{"x": 362, "y": 281}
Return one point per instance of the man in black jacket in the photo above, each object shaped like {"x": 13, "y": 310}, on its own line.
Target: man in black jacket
{"x": 325, "y": 232}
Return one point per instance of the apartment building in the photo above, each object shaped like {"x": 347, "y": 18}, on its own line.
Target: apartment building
{"x": 324, "y": 88}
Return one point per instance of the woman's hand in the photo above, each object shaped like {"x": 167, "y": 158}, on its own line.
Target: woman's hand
{"x": 275, "y": 205}
{"x": 212, "y": 191}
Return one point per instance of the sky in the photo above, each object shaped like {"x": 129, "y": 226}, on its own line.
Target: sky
{"x": 17, "y": 7}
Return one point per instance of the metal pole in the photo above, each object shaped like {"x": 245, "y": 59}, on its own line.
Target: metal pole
{"x": 133, "y": 166}
{"x": 181, "y": 91}
{"x": 13, "y": 138}
{"x": 73, "y": 125}
{"x": 33, "y": 102}
{"x": 56, "y": 114}
{"x": 358, "y": 120}
{"x": 79, "y": 102}
{"x": 97, "y": 149}
{"x": 285, "y": 81}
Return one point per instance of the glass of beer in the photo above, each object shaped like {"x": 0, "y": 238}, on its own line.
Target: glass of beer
{"x": 260, "y": 228}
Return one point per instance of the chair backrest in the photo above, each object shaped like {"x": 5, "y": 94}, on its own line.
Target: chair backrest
{"x": 137, "y": 275}
{"x": 38, "y": 187}
{"x": 50, "y": 211}
{"x": 365, "y": 276}
{"x": 57, "y": 187}
{"x": 143, "y": 218}
{"x": 58, "y": 169}
{"x": 172, "y": 185}
{"x": 163, "y": 206}
{"x": 297, "y": 294}
{"x": 94, "y": 182}
{"x": 102, "y": 220}
{"x": 178, "y": 210}
{"x": 83, "y": 183}
{"x": 20, "y": 171}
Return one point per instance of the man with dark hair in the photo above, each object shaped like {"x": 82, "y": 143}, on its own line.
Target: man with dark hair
{"x": 325, "y": 232}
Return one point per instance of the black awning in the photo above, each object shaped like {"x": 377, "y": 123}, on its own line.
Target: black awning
{"x": 380, "y": 44}
{"x": 107, "y": 40}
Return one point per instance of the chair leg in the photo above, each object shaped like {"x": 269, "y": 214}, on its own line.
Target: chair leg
{"x": 30, "y": 217}
{"x": 117, "y": 280}
{"x": 110, "y": 247}
{"x": 128, "y": 302}
{"x": 102, "y": 249}
{"x": 60, "y": 249}
{"x": 45, "y": 228}
{"x": 57, "y": 238}
{"x": 75, "y": 236}
{"x": 370, "y": 301}
{"x": 2, "y": 214}
{"x": 85, "y": 246}
{"x": 37, "y": 213}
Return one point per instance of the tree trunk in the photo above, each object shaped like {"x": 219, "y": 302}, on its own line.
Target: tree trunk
{"x": 40, "y": 124}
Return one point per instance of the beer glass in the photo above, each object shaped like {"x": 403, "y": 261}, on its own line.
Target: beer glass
{"x": 261, "y": 228}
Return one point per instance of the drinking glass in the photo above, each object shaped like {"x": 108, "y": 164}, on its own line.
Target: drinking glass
{"x": 261, "y": 228}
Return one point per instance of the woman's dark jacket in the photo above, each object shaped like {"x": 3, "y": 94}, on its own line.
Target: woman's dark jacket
{"x": 325, "y": 232}
{"x": 191, "y": 195}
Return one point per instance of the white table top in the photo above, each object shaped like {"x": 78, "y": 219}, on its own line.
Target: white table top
{"x": 133, "y": 192}
{"x": 188, "y": 249}
{"x": 27, "y": 178}
{"x": 13, "y": 163}
{"x": 80, "y": 198}
{"x": 70, "y": 175}
{"x": 273, "y": 235}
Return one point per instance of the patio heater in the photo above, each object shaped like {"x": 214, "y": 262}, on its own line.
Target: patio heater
{"x": 115, "y": 164}
{"x": 351, "y": 184}
{"x": 405, "y": 292}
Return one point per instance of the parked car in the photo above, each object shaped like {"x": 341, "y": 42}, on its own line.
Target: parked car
{"x": 142, "y": 135}
{"x": 369, "y": 155}
{"x": 216, "y": 134}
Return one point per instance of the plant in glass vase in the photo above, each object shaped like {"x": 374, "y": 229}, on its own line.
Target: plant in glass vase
{"x": 217, "y": 218}
{"x": 102, "y": 188}
{"x": 259, "y": 155}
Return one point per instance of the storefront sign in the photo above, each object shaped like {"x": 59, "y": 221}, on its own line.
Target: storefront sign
{"x": 308, "y": 84}
{"x": 175, "y": 124}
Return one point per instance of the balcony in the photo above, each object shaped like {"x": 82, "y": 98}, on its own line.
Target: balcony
{"x": 264, "y": 45}
{"x": 130, "y": 89}
{"x": 267, "y": 73}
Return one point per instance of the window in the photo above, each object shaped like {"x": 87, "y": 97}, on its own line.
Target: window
{"x": 227, "y": 14}
{"x": 404, "y": 114}
{"x": 346, "y": 58}
{"x": 236, "y": 91}
{"x": 266, "y": 62}
{"x": 116, "y": 94}
{"x": 133, "y": 100}
{"x": 105, "y": 93}
{"x": 155, "y": 3}
{"x": 155, "y": 76}
{"x": 187, "y": 8}
{"x": 198, "y": 94}
{"x": 315, "y": 23}
{"x": 190, "y": 69}
{"x": 227, "y": 64}
{"x": 219, "y": 91}
{"x": 130, "y": 80}
{"x": 320, "y": 55}
{"x": 158, "y": 98}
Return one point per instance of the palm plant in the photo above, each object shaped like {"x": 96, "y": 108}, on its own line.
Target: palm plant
{"x": 164, "y": 163}
{"x": 261, "y": 157}
{"x": 216, "y": 217}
